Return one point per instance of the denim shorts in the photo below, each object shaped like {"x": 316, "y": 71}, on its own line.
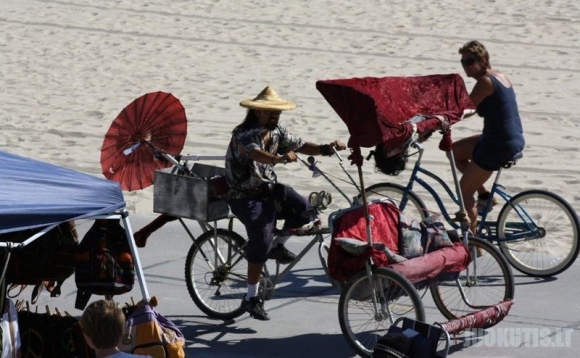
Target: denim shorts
{"x": 490, "y": 158}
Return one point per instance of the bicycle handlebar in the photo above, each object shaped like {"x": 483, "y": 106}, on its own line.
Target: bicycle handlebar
{"x": 311, "y": 165}
{"x": 198, "y": 157}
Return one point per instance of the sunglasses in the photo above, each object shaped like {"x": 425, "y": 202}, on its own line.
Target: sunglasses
{"x": 469, "y": 61}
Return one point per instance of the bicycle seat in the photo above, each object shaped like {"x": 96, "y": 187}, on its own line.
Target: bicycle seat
{"x": 514, "y": 160}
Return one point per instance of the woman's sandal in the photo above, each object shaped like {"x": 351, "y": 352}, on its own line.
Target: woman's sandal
{"x": 482, "y": 202}
{"x": 484, "y": 197}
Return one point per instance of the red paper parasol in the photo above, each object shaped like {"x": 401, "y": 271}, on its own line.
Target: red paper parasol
{"x": 374, "y": 108}
{"x": 153, "y": 121}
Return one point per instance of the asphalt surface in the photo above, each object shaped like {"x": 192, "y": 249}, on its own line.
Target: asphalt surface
{"x": 543, "y": 322}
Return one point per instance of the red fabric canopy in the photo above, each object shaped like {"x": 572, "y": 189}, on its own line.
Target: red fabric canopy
{"x": 374, "y": 109}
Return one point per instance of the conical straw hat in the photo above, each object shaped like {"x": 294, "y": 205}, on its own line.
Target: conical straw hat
{"x": 268, "y": 100}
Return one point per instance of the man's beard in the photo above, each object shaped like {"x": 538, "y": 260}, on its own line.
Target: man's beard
{"x": 271, "y": 125}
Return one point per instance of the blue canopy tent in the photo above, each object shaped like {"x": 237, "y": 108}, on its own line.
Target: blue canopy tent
{"x": 35, "y": 194}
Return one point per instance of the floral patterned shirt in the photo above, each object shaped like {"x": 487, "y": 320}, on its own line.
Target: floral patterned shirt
{"x": 244, "y": 174}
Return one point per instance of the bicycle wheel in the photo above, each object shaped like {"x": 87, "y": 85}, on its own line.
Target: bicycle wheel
{"x": 540, "y": 231}
{"x": 395, "y": 297}
{"x": 487, "y": 281}
{"x": 412, "y": 206}
{"x": 216, "y": 273}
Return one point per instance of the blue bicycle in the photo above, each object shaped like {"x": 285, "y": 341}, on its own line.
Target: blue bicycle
{"x": 536, "y": 230}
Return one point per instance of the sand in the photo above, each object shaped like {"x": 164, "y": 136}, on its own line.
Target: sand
{"x": 69, "y": 67}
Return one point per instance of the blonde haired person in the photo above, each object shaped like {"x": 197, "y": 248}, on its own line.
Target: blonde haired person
{"x": 477, "y": 157}
{"x": 103, "y": 326}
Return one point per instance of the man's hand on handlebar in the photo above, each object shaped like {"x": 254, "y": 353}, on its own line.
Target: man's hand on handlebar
{"x": 331, "y": 148}
{"x": 289, "y": 157}
{"x": 338, "y": 145}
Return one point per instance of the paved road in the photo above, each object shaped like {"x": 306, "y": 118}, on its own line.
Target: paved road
{"x": 304, "y": 311}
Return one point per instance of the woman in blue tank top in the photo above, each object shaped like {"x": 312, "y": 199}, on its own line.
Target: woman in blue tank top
{"x": 502, "y": 137}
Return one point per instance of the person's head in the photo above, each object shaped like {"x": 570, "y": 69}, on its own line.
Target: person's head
{"x": 103, "y": 324}
{"x": 264, "y": 110}
{"x": 474, "y": 58}
{"x": 389, "y": 162}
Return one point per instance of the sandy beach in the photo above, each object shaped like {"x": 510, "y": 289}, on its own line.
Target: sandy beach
{"x": 69, "y": 67}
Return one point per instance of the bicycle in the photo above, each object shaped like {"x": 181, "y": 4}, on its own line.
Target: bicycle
{"x": 216, "y": 268}
{"x": 536, "y": 230}
{"x": 388, "y": 111}
{"x": 468, "y": 290}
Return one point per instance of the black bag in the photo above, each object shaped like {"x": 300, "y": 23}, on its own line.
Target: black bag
{"x": 50, "y": 335}
{"x": 412, "y": 339}
{"x": 47, "y": 261}
{"x": 104, "y": 262}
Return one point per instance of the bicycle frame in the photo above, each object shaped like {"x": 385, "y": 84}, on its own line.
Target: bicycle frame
{"x": 181, "y": 163}
{"x": 456, "y": 197}
{"x": 279, "y": 276}
{"x": 528, "y": 221}
{"x": 485, "y": 229}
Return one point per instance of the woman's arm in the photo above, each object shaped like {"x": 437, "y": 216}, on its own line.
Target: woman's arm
{"x": 482, "y": 89}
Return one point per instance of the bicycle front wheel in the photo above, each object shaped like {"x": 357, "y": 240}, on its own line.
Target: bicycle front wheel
{"x": 486, "y": 281}
{"x": 538, "y": 233}
{"x": 369, "y": 305}
{"x": 216, "y": 273}
{"x": 407, "y": 201}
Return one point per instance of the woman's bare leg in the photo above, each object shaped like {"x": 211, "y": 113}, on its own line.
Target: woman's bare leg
{"x": 472, "y": 179}
{"x": 463, "y": 154}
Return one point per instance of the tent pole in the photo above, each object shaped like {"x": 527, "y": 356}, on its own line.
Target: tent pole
{"x": 133, "y": 247}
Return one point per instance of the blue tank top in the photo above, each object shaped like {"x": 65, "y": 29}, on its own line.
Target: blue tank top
{"x": 501, "y": 120}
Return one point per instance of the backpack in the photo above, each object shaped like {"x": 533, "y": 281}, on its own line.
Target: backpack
{"x": 419, "y": 238}
{"x": 150, "y": 333}
{"x": 46, "y": 262}
{"x": 104, "y": 262}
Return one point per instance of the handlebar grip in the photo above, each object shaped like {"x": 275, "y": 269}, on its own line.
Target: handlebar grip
{"x": 336, "y": 153}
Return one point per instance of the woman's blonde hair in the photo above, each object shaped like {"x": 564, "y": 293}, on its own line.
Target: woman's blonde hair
{"x": 477, "y": 49}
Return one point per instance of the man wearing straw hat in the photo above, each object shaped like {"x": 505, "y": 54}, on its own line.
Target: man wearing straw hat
{"x": 256, "y": 197}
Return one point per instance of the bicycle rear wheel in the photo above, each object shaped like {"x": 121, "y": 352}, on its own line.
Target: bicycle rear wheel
{"x": 408, "y": 202}
{"x": 538, "y": 233}
{"x": 487, "y": 281}
{"x": 361, "y": 321}
{"x": 216, "y": 273}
